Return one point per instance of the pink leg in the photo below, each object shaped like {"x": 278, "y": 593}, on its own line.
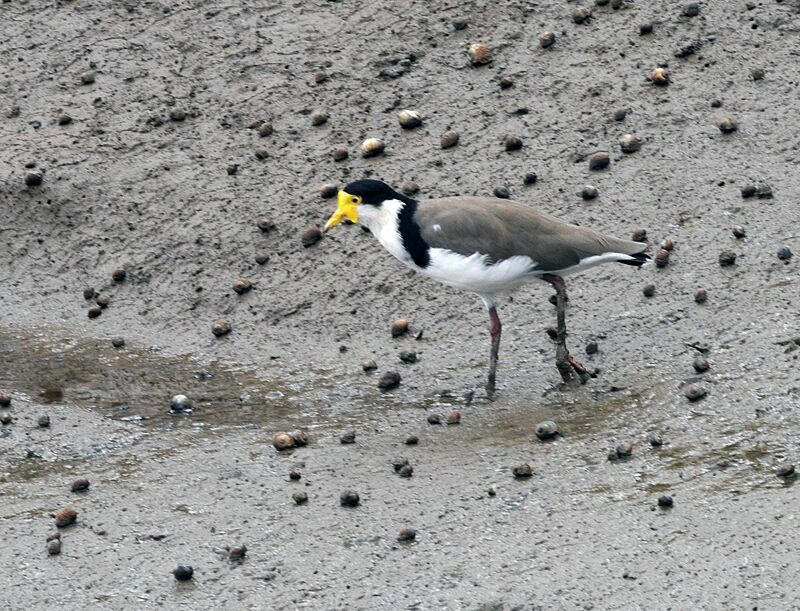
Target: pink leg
{"x": 494, "y": 331}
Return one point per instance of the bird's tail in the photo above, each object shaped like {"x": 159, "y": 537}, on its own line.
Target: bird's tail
{"x": 637, "y": 260}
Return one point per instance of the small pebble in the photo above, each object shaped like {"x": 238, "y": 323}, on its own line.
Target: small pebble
{"x": 348, "y": 438}
{"x": 691, "y": 10}
{"x": 103, "y": 301}
{"x": 667, "y": 244}
{"x": 262, "y": 258}
{"x": 295, "y": 474}
{"x": 727, "y": 125}
{"x": 655, "y": 440}
{"x": 763, "y": 191}
{"x": 183, "y": 572}
{"x": 180, "y": 403}
{"x": 786, "y": 470}
{"x": 491, "y": 492}
{"x": 693, "y": 392}
{"x": 265, "y": 224}
{"x": 624, "y": 450}
{"x": 63, "y": 119}
{"x": 372, "y": 147}
{"x": 319, "y": 117}
{"x": 640, "y": 235}
{"x": 118, "y": 342}
{"x": 716, "y": 103}
{"x": 349, "y": 498}
{"x": 434, "y": 419}
{"x": 406, "y": 471}
{"x": 119, "y": 275}
{"x": 242, "y": 285}
{"x": 328, "y": 190}
{"x": 389, "y": 380}
{"x": 659, "y": 77}
{"x": 177, "y": 115}
{"x": 33, "y": 179}
{"x": 784, "y": 253}
{"x": 589, "y": 192}
{"x": 645, "y": 29}
{"x": 619, "y": 115}
{"x": 6, "y": 419}
{"x": 581, "y": 14}
{"x": 599, "y": 161}
{"x": 54, "y": 547}
{"x": 408, "y": 357}
{"x": 220, "y": 328}
{"x": 449, "y": 139}
{"x": 460, "y": 24}
{"x": 412, "y": 440}
{"x": 530, "y": 178}
{"x": 662, "y": 258}
{"x": 265, "y": 129}
{"x": 65, "y": 517}
{"x": 300, "y": 438}
{"x": 592, "y": 348}
{"x": 399, "y": 327}
{"x": 369, "y": 365}
{"x": 409, "y": 119}
{"x": 88, "y": 77}
{"x": 547, "y": 39}
{"x": 399, "y": 462}
{"x": 700, "y": 296}
{"x": 552, "y": 332}
{"x": 409, "y": 187}
{"x": 454, "y": 417}
{"x": 501, "y": 192}
{"x": 237, "y": 552}
{"x": 232, "y": 169}
{"x": 299, "y": 497}
{"x": 546, "y": 430}
{"x": 80, "y": 485}
{"x": 757, "y": 74}
{"x": 479, "y": 54}
{"x": 43, "y": 421}
{"x": 700, "y": 364}
{"x": 94, "y": 311}
{"x": 739, "y": 232}
{"x": 407, "y": 534}
{"x": 56, "y": 534}
{"x": 5, "y": 400}
{"x": 665, "y": 501}
{"x": 310, "y": 236}
{"x": 340, "y": 153}
{"x": 282, "y": 441}
{"x": 89, "y": 293}
{"x": 629, "y": 143}
{"x": 512, "y": 143}
{"x": 649, "y": 290}
{"x": 727, "y": 258}
{"x": 522, "y": 471}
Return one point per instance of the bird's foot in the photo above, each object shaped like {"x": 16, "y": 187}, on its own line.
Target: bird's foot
{"x": 582, "y": 372}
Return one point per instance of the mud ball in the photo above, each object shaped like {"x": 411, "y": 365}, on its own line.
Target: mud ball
{"x": 645, "y": 29}
{"x": 667, "y": 244}
{"x": 398, "y": 463}
{"x": 624, "y": 450}
{"x": 619, "y": 115}
{"x": 659, "y": 76}
{"x": 412, "y": 440}
{"x": 757, "y": 74}
{"x": 716, "y": 103}
{"x": 89, "y": 293}
{"x": 408, "y": 357}
{"x": 700, "y": 296}
{"x": 640, "y": 235}
{"x": 265, "y": 129}
{"x": 328, "y": 190}
{"x": 119, "y": 275}
{"x": 103, "y": 301}
{"x": 372, "y": 147}
{"x": 265, "y": 224}
{"x": 183, "y": 572}
{"x": 5, "y": 400}
{"x": 33, "y": 179}
{"x": 66, "y": 517}
{"x": 349, "y": 498}
{"x": 530, "y": 178}
{"x": 589, "y": 192}
{"x": 784, "y": 253}
{"x": 459, "y": 24}
{"x": 449, "y": 139}
{"x": 506, "y": 82}
{"x": 786, "y": 471}
{"x": 665, "y": 501}
{"x": 399, "y": 327}
{"x": 409, "y": 119}
{"x": 546, "y": 430}
{"x": 599, "y": 161}
{"x": 310, "y": 236}
{"x": 177, "y": 115}
{"x": 649, "y": 290}
{"x": 221, "y": 328}
{"x": 389, "y": 380}
{"x": 655, "y": 440}
{"x": 319, "y": 117}
{"x": 694, "y": 392}
{"x": 242, "y": 286}
{"x": 581, "y": 14}
{"x": 118, "y": 342}
{"x": 629, "y": 143}
{"x": 5, "y": 419}
{"x": 295, "y": 474}
{"x": 63, "y": 119}
{"x": 592, "y": 348}
{"x": 502, "y": 192}
{"x": 662, "y": 258}
{"x": 232, "y": 169}
{"x": 727, "y": 258}
{"x": 748, "y": 191}
{"x": 512, "y": 143}
{"x": 522, "y": 471}
{"x": 43, "y": 421}
{"x": 691, "y": 10}
{"x": 434, "y": 419}
{"x": 282, "y": 441}
{"x": 80, "y": 485}
{"x": 739, "y": 232}
{"x": 348, "y": 438}
{"x": 54, "y": 547}
{"x": 491, "y": 492}
{"x": 406, "y": 471}
{"x": 700, "y": 364}
{"x": 410, "y": 187}
{"x": 369, "y": 365}
{"x": 299, "y": 497}
{"x": 94, "y": 311}
{"x": 300, "y": 438}
{"x": 340, "y": 153}
{"x": 763, "y": 191}
{"x": 454, "y": 417}
{"x": 407, "y": 534}
{"x": 237, "y": 552}
{"x": 727, "y": 125}
{"x": 88, "y": 77}
{"x": 180, "y": 403}
{"x": 547, "y": 39}
{"x": 479, "y": 54}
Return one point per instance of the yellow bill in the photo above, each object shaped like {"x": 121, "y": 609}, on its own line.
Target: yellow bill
{"x": 347, "y": 209}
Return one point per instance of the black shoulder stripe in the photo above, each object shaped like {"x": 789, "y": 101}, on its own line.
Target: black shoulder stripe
{"x": 411, "y": 236}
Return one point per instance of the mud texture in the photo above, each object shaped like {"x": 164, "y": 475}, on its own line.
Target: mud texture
{"x": 161, "y": 172}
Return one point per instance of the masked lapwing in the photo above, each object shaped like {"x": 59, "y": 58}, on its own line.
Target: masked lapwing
{"x": 485, "y": 245}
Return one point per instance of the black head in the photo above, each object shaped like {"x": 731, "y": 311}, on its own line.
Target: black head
{"x": 372, "y": 192}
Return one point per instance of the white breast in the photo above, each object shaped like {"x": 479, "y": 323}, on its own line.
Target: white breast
{"x": 384, "y": 225}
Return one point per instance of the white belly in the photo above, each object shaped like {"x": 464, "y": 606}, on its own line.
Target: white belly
{"x": 473, "y": 274}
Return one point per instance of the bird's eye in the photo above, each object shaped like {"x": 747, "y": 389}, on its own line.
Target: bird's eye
{"x": 355, "y": 200}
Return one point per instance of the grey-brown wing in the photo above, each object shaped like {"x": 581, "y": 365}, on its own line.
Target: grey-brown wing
{"x": 503, "y": 229}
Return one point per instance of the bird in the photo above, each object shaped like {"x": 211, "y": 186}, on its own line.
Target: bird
{"x": 486, "y": 245}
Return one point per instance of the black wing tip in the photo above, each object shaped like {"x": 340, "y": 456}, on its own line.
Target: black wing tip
{"x": 638, "y": 260}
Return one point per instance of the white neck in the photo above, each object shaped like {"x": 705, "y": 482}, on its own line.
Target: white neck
{"x": 384, "y": 223}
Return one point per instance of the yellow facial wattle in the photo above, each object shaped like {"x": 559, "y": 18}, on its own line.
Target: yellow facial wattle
{"x": 347, "y": 209}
